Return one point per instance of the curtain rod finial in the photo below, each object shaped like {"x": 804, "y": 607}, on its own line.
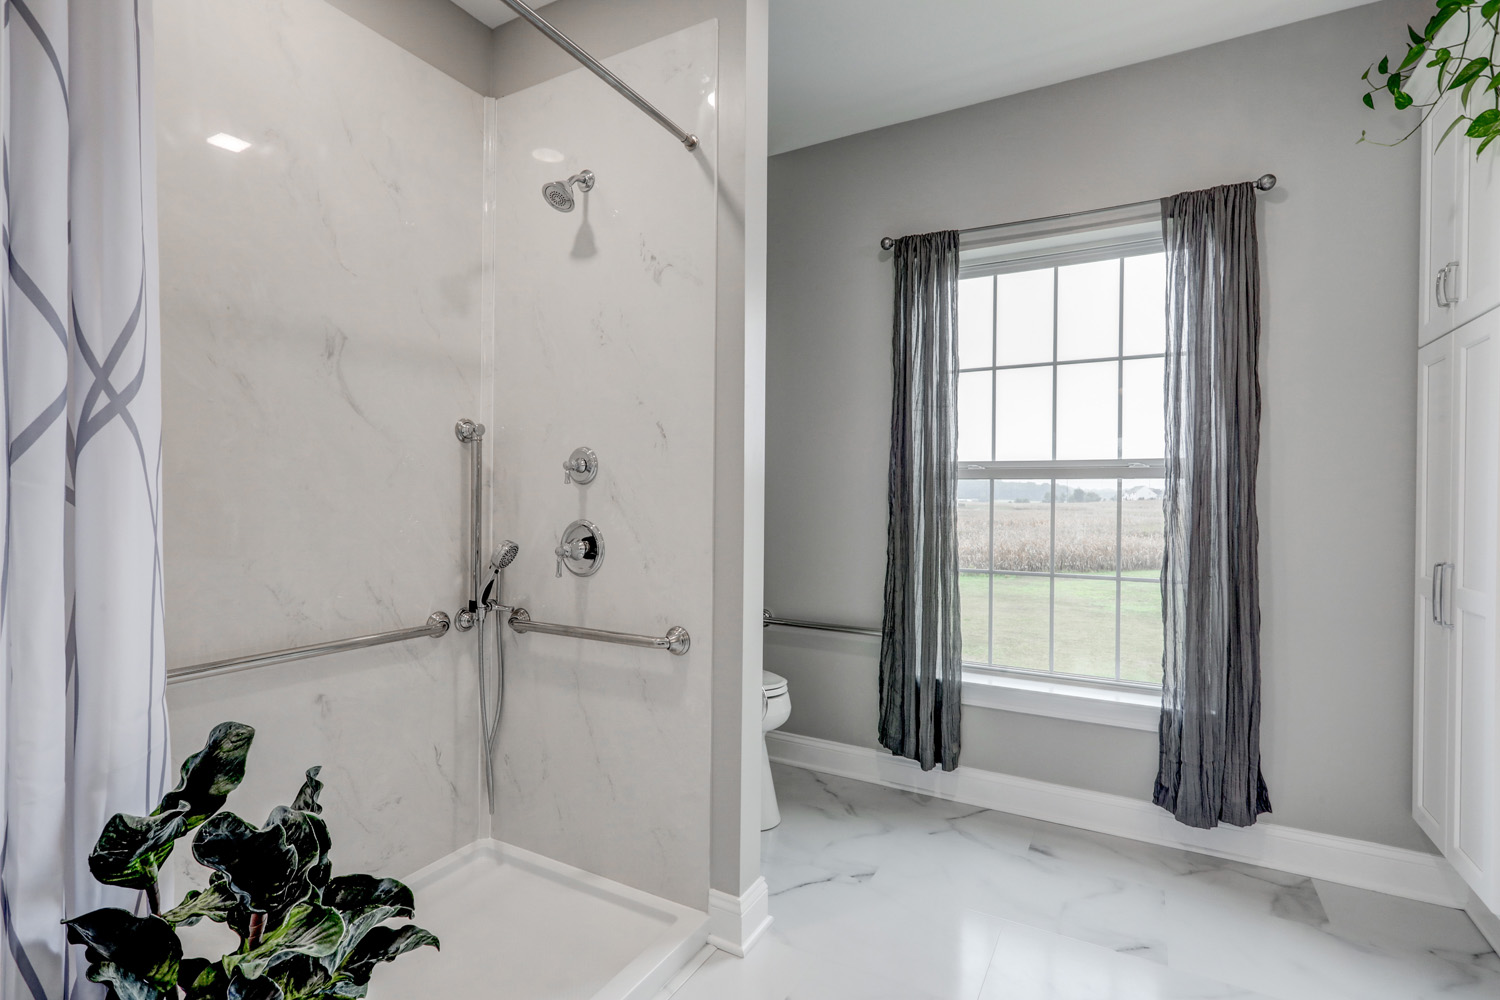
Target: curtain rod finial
{"x": 1265, "y": 182}
{"x": 886, "y": 243}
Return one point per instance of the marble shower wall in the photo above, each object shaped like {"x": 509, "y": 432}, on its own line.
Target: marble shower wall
{"x": 321, "y": 335}
{"x": 604, "y": 337}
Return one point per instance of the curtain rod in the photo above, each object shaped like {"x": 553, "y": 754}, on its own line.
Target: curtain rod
{"x": 562, "y": 41}
{"x": 1264, "y": 182}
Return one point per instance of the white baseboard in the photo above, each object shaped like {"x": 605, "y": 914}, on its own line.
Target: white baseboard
{"x": 1393, "y": 870}
{"x": 1487, "y": 922}
{"x": 736, "y": 923}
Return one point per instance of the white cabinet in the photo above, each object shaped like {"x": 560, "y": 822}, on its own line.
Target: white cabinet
{"x": 1445, "y": 213}
{"x": 1433, "y": 694}
{"x": 1457, "y": 703}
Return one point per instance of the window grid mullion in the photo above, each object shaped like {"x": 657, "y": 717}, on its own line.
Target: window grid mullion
{"x": 1120, "y": 446}
{"x": 1052, "y": 512}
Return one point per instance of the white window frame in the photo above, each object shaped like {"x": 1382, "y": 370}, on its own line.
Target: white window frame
{"x": 1054, "y": 243}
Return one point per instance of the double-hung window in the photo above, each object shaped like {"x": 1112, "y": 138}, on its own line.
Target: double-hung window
{"x": 1060, "y": 454}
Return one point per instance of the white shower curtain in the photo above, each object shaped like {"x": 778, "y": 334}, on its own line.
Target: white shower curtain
{"x": 81, "y": 671}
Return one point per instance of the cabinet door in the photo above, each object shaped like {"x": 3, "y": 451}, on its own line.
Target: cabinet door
{"x": 1478, "y": 279}
{"x": 1432, "y": 732}
{"x": 1476, "y": 408}
{"x": 1444, "y": 222}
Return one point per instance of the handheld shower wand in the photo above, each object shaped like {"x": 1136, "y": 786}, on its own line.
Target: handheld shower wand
{"x": 489, "y": 719}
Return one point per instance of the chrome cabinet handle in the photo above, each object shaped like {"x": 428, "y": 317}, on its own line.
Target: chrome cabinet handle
{"x": 1448, "y": 272}
{"x": 1437, "y": 568}
{"x": 1449, "y": 570}
{"x": 1440, "y": 287}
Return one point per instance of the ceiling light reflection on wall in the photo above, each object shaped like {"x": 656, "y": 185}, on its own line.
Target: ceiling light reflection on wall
{"x": 226, "y": 141}
{"x": 547, "y": 155}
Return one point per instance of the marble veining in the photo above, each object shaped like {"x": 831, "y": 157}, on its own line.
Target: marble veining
{"x": 878, "y": 893}
{"x": 604, "y": 337}
{"x": 321, "y": 334}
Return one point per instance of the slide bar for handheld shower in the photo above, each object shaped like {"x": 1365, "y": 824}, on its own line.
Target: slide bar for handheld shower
{"x": 437, "y": 625}
{"x": 562, "y": 41}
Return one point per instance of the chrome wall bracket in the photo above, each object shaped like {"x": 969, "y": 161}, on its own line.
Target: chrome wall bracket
{"x": 581, "y": 550}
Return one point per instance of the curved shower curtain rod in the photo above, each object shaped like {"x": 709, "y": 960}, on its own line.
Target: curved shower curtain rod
{"x": 688, "y": 139}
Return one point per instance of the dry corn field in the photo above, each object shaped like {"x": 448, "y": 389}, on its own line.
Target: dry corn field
{"x": 1085, "y": 536}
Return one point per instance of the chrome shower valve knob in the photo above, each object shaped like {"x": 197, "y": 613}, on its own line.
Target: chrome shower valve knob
{"x": 581, "y": 550}
{"x": 581, "y": 467}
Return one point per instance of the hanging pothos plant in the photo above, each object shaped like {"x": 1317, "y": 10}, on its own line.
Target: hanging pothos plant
{"x": 1467, "y": 65}
{"x": 304, "y": 933}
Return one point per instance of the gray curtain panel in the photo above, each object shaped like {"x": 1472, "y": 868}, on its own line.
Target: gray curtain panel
{"x": 921, "y": 658}
{"x": 1209, "y": 767}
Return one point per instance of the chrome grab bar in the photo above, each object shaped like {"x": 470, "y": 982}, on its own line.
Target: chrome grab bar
{"x": 1437, "y": 569}
{"x": 768, "y": 619}
{"x": 676, "y": 641}
{"x": 437, "y": 625}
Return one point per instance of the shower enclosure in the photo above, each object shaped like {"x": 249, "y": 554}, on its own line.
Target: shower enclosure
{"x": 375, "y": 264}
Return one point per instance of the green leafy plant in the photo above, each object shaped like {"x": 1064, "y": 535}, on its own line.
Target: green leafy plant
{"x": 1467, "y": 65}
{"x": 304, "y": 933}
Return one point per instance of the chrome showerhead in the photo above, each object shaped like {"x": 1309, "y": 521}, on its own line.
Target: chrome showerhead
{"x": 504, "y": 555}
{"x": 559, "y": 194}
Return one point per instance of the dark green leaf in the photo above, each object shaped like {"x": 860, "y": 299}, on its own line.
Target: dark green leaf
{"x": 1402, "y": 100}
{"x": 131, "y": 849}
{"x": 300, "y": 976}
{"x": 1487, "y": 140}
{"x": 1385, "y": 65}
{"x": 244, "y": 988}
{"x": 200, "y": 979}
{"x": 1485, "y": 123}
{"x": 1415, "y": 53}
{"x": 308, "y": 929}
{"x": 217, "y": 903}
{"x": 259, "y": 865}
{"x": 356, "y": 892}
{"x": 1393, "y": 83}
{"x": 1369, "y": 100}
{"x": 383, "y": 944}
{"x": 307, "y": 834}
{"x": 1489, "y": 9}
{"x": 1416, "y": 38}
{"x": 1439, "y": 19}
{"x": 1469, "y": 72}
{"x": 209, "y": 775}
{"x": 137, "y": 957}
{"x": 307, "y": 797}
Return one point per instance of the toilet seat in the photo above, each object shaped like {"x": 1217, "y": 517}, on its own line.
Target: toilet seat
{"x": 772, "y": 685}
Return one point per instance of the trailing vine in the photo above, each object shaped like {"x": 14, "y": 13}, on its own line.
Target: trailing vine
{"x": 1467, "y": 66}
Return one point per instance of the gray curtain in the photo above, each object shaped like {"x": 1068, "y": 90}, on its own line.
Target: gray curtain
{"x": 920, "y": 649}
{"x": 1209, "y": 767}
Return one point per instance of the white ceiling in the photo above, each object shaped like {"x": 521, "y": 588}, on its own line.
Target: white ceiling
{"x": 844, "y": 66}
{"x": 493, "y": 12}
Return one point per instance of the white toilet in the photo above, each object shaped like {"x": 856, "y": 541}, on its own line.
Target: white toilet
{"x": 776, "y": 706}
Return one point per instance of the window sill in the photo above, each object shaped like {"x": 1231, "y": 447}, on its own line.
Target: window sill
{"x": 1060, "y": 700}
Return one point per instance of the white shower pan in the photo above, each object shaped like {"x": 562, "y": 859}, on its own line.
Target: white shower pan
{"x": 518, "y": 926}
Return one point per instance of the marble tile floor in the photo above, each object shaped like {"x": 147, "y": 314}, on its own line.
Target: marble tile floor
{"x": 885, "y": 895}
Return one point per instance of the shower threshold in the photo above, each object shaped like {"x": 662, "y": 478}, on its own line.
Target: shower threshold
{"x": 519, "y": 926}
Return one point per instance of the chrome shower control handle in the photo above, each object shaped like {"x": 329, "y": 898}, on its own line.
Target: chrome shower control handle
{"x": 581, "y": 467}
{"x": 581, "y": 550}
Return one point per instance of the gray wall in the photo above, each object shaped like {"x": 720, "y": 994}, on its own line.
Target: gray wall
{"x": 520, "y": 58}
{"x": 436, "y": 31}
{"x": 1337, "y": 371}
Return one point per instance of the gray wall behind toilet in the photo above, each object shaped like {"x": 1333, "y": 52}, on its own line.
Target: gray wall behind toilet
{"x": 1339, "y": 244}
